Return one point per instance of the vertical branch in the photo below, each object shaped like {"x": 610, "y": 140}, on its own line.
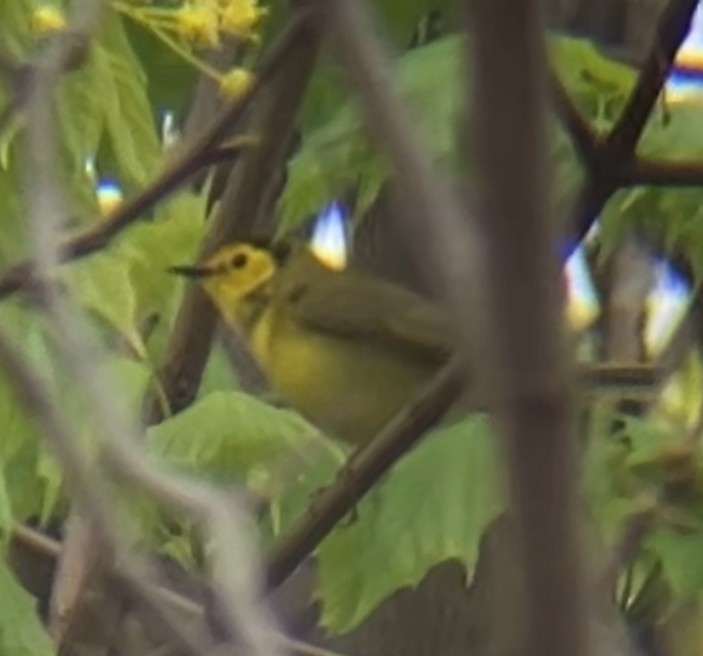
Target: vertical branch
{"x": 47, "y": 214}
{"x": 244, "y": 196}
{"x": 529, "y": 386}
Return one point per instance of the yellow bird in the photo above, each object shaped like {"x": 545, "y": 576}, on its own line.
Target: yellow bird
{"x": 345, "y": 349}
{"x": 348, "y": 350}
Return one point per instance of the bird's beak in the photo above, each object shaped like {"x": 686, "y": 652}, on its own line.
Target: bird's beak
{"x": 191, "y": 271}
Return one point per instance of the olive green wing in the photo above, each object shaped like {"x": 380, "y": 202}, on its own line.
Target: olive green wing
{"x": 353, "y": 306}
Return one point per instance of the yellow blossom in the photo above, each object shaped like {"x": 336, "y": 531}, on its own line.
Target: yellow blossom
{"x": 235, "y": 83}
{"x": 198, "y": 25}
{"x": 47, "y": 18}
{"x": 241, "y": 18}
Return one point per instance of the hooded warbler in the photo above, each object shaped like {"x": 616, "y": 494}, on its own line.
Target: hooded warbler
{"x": 347, "y": 350}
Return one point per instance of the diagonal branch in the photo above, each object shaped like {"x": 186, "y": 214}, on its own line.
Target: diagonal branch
{"x": 586, "y": 140}
{"x": 244, "y": 198}
{"x": 362, "y": 472}
{"x": 620, "y": 144}
{"x": 174, "y": 176}
{"x": 674, "y": 24}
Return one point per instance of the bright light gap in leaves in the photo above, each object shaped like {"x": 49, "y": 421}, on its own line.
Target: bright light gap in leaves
{"x": 330, "y": 238}
{"x": 686, "y": 78}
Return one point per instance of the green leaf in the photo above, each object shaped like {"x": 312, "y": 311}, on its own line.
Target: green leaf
{"x": 599, "y": 85}
{"x": 328, "y": 89}
{"x": 128, "y": 380}
{"x": 398, "y": 20}
{"x": 170, "y": 80}
{"x": 339, "y": 157}
{"x": 434, "y": 506}
{"x": 645, "y": 439}
{"x": 21, "y": 632}
{"x": 33, "y": 481}
{"x": 151, "y": 247}
{"x": 103, "y": 285}
{"x": 227, "y": 434}
{"x": 12, "y": 217}
{"x": 680, "y": 555}
{"x": 7, "y": 517}
{"x": 128, "y": 282}
{"x": 15, "y": 34}
{"x": 674, "y": 132}
{"x": 130, "y": 121}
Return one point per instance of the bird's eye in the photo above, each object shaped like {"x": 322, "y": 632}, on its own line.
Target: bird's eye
{"x": 239, "y": 261}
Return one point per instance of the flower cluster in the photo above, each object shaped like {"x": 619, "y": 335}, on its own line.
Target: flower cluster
{"x": 202, "y": 22}
{"x": 47, "y": 18}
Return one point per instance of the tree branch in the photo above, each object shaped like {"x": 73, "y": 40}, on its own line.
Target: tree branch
{"x": 660, "y": 173}
{"x": 188, "y": 163}
{"x": 585, "y": 139}
{"x": 618, "y": 148}
{"x": 362, "y": 472}
{"x": 528, "y": 386}
{"x": 672, "y": 28}
{"x": 88, "y": 487}
{"x": 194, "y": 328}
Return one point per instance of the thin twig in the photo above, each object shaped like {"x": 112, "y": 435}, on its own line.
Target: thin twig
{"x": 88, "y": 486}
{"x": 673, "y": 27}
{"x": 660, "y": 173}
{"x": 233, "y": 559}
{"x": 586, "y": 139}
{"x": 252, "y": 378}
{"x": 47, "y": 546}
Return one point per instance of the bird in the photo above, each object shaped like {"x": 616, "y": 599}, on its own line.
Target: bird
{"x": 346, "y": 349}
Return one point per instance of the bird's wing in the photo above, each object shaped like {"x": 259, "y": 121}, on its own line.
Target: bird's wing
{"x": 353, "y": 306}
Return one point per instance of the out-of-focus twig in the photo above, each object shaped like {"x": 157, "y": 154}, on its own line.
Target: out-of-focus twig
{"x": 51, "y": 548}
{"x": 529, "y": 382}
{"x": 233, "y": 557}
{"x": 434, "y": 219}
{"x": 81, "y": 556}
{"x": 90, "y": 492}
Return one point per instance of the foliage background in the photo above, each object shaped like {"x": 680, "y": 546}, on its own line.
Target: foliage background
{"x": 111, "y": 110}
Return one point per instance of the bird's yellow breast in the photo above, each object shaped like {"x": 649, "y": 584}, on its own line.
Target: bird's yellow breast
{"x": 350, "y": 388}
